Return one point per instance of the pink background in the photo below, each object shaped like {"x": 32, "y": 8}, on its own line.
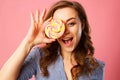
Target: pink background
{"x": 103, "y": 15}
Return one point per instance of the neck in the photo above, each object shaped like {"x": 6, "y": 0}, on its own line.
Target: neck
{"x": 68, "y": 57}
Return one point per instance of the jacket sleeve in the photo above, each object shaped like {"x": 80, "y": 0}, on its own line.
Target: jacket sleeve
{"x": 29, "y": 66}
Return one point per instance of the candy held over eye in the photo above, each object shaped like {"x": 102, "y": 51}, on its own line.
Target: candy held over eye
{"x": 54, "y": 28}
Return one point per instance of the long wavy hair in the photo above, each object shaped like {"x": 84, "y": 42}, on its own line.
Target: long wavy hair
{"x": 84, "y": 51}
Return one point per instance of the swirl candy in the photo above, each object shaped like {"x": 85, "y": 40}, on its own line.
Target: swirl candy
{"x": 54, "y": 28}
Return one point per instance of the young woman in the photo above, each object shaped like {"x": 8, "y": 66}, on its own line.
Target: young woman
{"x": 69, "y": 57}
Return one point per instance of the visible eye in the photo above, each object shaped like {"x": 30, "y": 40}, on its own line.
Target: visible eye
{"x": 71, "y": 24}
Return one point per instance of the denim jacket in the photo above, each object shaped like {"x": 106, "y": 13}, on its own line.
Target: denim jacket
{"x": 56, "y": 70}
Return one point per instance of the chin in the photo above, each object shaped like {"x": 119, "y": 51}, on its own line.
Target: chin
{"x": 68, "y": 49}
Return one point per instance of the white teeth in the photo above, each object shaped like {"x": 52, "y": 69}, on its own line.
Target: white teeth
{"x": 66, "y": 39}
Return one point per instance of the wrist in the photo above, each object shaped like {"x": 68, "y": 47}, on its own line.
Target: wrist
{"x": 27, "y": 45}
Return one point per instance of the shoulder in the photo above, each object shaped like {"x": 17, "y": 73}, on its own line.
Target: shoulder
{"x": 99, "y": 71}
{"x": 101, "y": 63}
{"x": 34, "y": 54}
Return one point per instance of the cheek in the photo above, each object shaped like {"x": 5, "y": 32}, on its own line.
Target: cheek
{"x": 78, "y": 32}
{"x": 78, "y": 35}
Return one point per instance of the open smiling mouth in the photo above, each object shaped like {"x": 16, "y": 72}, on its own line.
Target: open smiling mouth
{"x": 67, "y": 41}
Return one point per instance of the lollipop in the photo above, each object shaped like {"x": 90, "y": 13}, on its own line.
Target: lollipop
{"x": 54, "y": 28}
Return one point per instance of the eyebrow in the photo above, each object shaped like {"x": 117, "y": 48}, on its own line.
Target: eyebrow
{"x": 70, "y": 19}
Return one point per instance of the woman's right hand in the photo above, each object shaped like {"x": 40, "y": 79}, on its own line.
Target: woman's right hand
{"x": 36, "y": 33}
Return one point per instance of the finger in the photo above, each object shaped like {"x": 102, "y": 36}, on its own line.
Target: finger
{"x": 37, "y": 16}
{"x": 42, "y": 16}
{"x": 48, "y": 20}
{"x": 32, "y": 21}
{"x": 46, "y": 23}
{"x": 42, "y": 19}
{"x": 32, "y": 18}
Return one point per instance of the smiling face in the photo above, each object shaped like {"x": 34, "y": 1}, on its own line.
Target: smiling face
{"x": 73, "y": 29}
